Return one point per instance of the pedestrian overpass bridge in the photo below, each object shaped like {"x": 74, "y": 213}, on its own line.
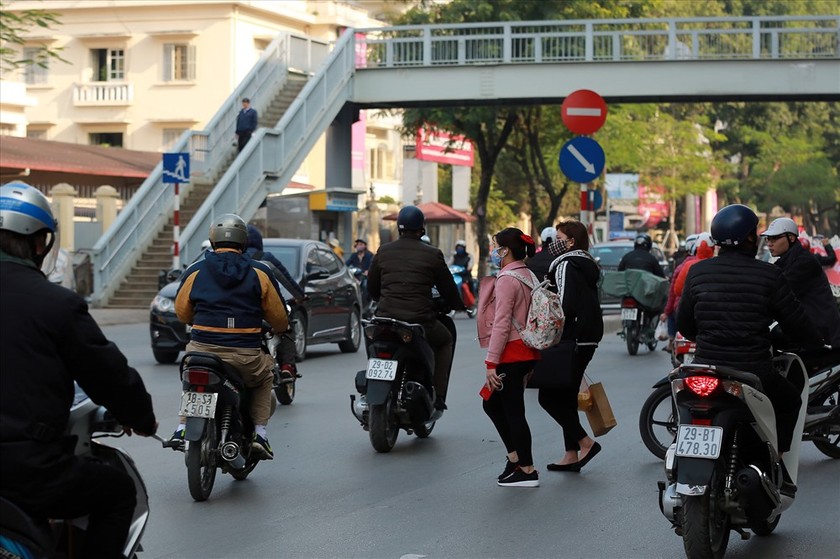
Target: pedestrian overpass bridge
{"x": 627, "y": 61}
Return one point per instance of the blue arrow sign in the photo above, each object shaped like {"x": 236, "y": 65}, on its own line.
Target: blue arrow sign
{"x": 582, "y": 159}
{"x": 176, "y": 167}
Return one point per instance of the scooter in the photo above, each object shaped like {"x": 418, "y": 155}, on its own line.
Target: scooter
{"x": 396, "y": 390}
{"x": 24, "y": 536}
{"x": 638, "y": 325}
{"x": 724, "y": 472}
{"x": 658, "y": 422}
{"x": 465, "y": 289}
{"x": 368, "y": 304}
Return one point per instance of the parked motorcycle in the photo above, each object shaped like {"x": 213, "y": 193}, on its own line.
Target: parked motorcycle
{"x": 396, "y": 391}
{"x": 466, "y": 290}
{"x": 368, "y": 304}
{"x": 638, "y": 325}
{"x": 723, "y": 471}
{"x": 219, "y": 429}
{"x": 24, "y": 536}
{"x": 658, "y": 423}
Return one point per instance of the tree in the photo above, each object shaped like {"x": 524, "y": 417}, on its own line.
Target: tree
{"x": 13, "y": 28}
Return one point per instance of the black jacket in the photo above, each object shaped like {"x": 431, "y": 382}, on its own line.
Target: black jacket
{"x": 576, "y": 276}
{"x": 728, "y": 304}
{"x": 401, "y": 278}
{"x": 540, "y": 263}
{"x": 49, "y": 339}
{"x": 830, "y": 258}
{"x": 810, "y": 285}
{"x": 639, "y": 259}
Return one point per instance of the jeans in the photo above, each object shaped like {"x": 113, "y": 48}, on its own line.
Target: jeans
{"x": 506, "y": 409}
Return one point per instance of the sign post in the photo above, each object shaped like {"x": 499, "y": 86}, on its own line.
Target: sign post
{"x": 176, "y": 169}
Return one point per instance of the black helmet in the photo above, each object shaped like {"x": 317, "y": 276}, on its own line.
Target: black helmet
{"x": 411, "y": 218}
{"x": 643, "y": 241}
{"x": 733, "y": 224}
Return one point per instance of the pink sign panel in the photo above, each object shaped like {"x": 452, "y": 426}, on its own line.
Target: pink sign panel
{"x": 443, "y": 147}
{"x": 652, "y": 204}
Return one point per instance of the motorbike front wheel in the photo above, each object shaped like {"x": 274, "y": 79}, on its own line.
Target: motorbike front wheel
{"x": 657, "y": 421}
{"x": 383, "y": 427}
{"x": 705, "y": 524}
{"x": 201, "y": 462}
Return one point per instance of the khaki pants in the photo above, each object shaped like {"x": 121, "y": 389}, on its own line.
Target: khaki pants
{"x": 255, "y": 367}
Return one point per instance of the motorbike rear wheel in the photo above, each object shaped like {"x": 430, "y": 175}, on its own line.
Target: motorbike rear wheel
{"x": 383, "y": 426}
{"x": 285, "y": 392}
{"x": 657, "y": 421}
{"x": 201, "y": 463}
{"x": 705, "y": 524}
{"x": 631, "y": 337}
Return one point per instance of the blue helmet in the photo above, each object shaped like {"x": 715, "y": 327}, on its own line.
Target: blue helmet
{"x": 24, "y": 209}
{"x": 411, "y": 218}
{"x": 733, "y": 224}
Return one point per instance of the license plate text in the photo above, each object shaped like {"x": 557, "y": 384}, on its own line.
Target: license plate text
{"x": 199, "y": 404}
{"x": 696, "y": 441}
{"x": 381, "y": 369}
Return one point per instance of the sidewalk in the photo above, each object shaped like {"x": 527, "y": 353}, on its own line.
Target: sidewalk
{"x": 111, "y": 317}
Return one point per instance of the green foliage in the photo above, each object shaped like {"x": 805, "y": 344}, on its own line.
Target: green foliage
{"x": 13, "y": 29}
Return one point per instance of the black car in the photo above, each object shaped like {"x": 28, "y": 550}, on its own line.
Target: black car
{"x": 331, "y": 313}
{"x": 609, "y": 255}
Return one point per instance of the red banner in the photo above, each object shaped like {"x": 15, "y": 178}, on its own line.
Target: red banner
{"x": 443, "y": 147}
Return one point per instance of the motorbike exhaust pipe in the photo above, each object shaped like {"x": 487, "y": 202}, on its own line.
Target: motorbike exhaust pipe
{"x": 359, "y": 406}
{"x": 758, "y": 494}
{"x": 231, "y": 454}
{"x": 418, "y": 401}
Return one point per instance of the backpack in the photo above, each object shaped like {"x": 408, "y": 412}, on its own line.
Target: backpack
{"x": 544, "y": 326}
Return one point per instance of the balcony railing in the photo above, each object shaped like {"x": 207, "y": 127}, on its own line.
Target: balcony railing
{"x": 101, "y": 94}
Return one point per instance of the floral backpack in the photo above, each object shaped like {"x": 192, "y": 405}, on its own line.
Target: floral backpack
{"x": 544, "y": 326}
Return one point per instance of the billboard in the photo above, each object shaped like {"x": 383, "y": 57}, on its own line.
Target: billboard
{"x": 652, "y": 205}
{"x": 443, "y": 147}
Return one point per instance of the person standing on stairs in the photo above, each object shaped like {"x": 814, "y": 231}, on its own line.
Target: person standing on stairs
{"x": 246, "y": 123}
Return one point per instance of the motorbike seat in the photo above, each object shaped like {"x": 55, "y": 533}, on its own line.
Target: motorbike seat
{"x": 213, "y": 361}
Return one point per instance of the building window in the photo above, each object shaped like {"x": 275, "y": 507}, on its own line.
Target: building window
{"x": 381, "y": 163}
{"x": 170, "y": 136}
{"x": 36, "y": 133}
{"x": 107, "y": 139}
{"x": 33, "y": 74}
{"x": 7, "y": 129}
{"x": 178, "y": 62}
{"x": 108, "y": 64}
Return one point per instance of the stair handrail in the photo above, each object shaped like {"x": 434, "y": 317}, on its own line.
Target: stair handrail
{"x": 272, "y": 156}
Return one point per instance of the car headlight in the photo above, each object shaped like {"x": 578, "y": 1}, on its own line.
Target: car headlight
{"x": 163, "y": 304}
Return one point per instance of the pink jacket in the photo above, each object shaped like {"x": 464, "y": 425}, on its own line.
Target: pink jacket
{"x": 500, "y": 300}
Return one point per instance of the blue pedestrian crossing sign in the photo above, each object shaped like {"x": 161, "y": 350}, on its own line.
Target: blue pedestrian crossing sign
{"x": 176, "y": 167}
{"x": 582, "y": 159}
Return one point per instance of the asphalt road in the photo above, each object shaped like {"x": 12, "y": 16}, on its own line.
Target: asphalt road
{"x": 329, "y": 494}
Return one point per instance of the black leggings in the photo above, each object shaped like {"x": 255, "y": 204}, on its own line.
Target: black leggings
{"x": 506, "y": 409}
{"x": 561, "y": 403}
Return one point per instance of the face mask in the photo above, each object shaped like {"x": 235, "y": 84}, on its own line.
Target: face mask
{"x": 496, "y": 258}
{"x": 360, "y": 248}
{"x": 460, "y": 250}
{"x": 562, "y": 245}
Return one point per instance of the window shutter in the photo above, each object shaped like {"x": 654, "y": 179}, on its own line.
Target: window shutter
{"x": 167, "y": 62}
{"x": 191, "y": 62}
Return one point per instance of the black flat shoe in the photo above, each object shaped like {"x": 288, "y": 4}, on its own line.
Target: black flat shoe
{"x": 596, "y": 448}
{"x": 573, "y": 467}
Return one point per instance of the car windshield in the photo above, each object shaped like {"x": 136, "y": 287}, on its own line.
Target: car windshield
{"x": 288, "y": 255}
{"x": 610, "y": 255}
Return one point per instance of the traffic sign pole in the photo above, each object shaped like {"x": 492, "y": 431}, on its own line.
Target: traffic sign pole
{"x": 176, "y": 230}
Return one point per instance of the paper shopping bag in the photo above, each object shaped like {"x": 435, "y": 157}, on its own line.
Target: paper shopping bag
{"x": 584, "y": 397}
{"x": 600, "y": 415}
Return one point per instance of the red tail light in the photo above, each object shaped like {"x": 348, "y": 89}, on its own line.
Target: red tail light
{"x": 696, "y": 421}
{"x": 628, "y": 303}
{"x": 200, "y": 377}
{"x": 384, "y": 355}
{"x": 702, "y": 386}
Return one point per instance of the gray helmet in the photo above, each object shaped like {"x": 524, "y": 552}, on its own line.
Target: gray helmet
{"x": 24, "y": 209}
{"x": 229, "y": 228}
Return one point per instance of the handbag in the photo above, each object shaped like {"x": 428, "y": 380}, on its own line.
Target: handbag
{"x": 554, "y": 369}
{"x": 584, "y": 396}
{"x": 600, "y": 415}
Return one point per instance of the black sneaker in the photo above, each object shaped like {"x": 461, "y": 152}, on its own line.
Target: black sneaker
{"x": 261, "y": 448}
{"x": 509, "y": 468}
{"x": 176, "y": 441}
{"x": 520, "y": 479}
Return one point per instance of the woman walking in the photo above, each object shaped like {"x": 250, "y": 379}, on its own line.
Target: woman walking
{"x": 576, "y": 275}
{"x": 509, "y": 360}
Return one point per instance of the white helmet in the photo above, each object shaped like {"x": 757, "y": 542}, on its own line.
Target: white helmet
{"x": 702, "y": 238}
{"x": 460, "y": 243}
{"x": 781, "y": 226}
{"x": 690, "y": 242}
{"x": 548, "y": 235}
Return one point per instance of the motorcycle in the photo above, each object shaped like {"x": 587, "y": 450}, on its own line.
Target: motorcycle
{"x": 658, "y": 423}
{"x": 219, "y": 429}
{"x": 682, "y": 351}
{"x": 368, "y": 304}
{"x": 284, "y": 384}
{"x": 396, "y": 390}
{"x": 465, "y": 289}
{"x": 723, "y": 471}
{"x": 638, "y": 325}
{"x": 24, "y": 536}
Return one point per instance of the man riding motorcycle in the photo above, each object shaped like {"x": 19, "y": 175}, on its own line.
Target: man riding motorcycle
{"x": 401, "y": 278}
{"x": 50, "y": 340}
{"x": 225, "y": 297}
{"x": 463, "y": 259}
{"x": 728, "y": 304}
{"x": 640, "y": 258}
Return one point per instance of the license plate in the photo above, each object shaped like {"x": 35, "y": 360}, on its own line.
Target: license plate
{"x": 688, "y": 359}
{"x": 381, "y": 369}
{"x": 629, "y": 314}
{"x": 199, "y": 404}
{"x": 696, "y": 441}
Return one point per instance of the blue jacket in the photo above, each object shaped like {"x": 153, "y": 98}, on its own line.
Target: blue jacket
{"x": 226, "y": 296}
{"x": 246, "y": 121}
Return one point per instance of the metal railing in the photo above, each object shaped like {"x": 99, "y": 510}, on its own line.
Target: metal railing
{"x": 144, "y": 216}
{"x": 752, "y": 38}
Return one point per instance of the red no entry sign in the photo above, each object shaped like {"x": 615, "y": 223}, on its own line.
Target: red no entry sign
{"x": 584, "y": 111}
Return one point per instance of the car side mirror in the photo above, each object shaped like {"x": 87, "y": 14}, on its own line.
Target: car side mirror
{"x": 316, "y": 273}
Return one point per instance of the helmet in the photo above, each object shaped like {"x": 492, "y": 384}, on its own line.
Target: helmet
{"x": 548, "y": 234}
{"x": 411, "y": 218}
{"x": 690, "y": 242}
{"x": 426, "y": 239}
{"x": 460, "y": 243}
{"x": 643, "y": 241}
{"x": 703, "y": 239}
{"x": 733, "y": 224}
{"x": 781, "y": 226}
{"x": 24, "y": 209}
{"x": 229, "y": 228}
{"x": 334, "y": 242}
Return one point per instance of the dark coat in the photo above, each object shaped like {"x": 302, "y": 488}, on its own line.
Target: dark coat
{"x": 576, "y": 276}
{"x": 728, "y": 304}
{"x": 401, "y": 278}
{"x": 540, "y": 263}
{"x": 246, "y": 121}
{"x": 49, "y": 340}
{"x": 362, "y": 263}
{"x": 639, "y": 259}
{"x": 810, "y": 285}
